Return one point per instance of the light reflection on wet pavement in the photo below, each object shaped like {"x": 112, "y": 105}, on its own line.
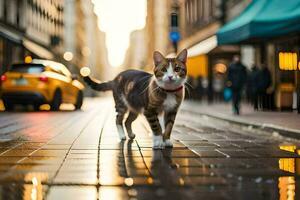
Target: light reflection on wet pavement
{"x": 76, "y": 155}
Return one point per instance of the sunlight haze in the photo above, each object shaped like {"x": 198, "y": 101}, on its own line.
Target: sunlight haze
{"x": 118, "y": 18}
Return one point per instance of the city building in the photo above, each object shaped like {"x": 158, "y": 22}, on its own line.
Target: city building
{"x": 62, "y": 30}
{"x": 136, "y": 53}
{"x": 153, "y": 37}
{"x": 75, "y": 34}
{"x": 30, "y": 27}
{"x": 157, "y": 29}
{"x": 199, "y": 21}
{"x": 84, "y": 42}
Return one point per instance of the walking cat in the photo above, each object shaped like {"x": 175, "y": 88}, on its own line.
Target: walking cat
{"x": 138, "y": 92}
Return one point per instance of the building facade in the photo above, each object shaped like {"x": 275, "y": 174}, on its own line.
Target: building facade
{"x": 157, "y": 29}
{"x": 30, "y": 27}
{"x": 153, "y": 37}
{"x": 276, "y": 46}
{"x": 84, "y": 42}
{"x": 136, "y": 53}
{"x": 207, "y": 63}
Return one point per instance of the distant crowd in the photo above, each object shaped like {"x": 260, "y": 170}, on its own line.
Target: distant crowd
{"x": 256, "y": 83}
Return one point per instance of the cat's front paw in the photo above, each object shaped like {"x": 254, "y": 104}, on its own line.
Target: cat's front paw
{"x": 168, "y": 143}
{"x": 158, "y": 142}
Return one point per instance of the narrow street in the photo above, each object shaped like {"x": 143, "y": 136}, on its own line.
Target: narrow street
{"x": 66, "y": 154}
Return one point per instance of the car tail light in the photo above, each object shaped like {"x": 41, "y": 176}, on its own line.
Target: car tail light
{"x": 43, "y": 78}
{"x": 3, "y": 78}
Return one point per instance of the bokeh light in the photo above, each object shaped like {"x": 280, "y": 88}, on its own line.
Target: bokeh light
{"x": 85, "y": 71}
{"x": 68, "y": 56}
{"x": 28, "y": 59}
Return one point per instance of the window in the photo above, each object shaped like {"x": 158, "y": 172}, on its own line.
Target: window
{"x": 207, "y": 10}
{"x": 199, "y": 10}
{"x": 187, "y": 12}
{"x": 1, "y": 9}
{"x": 1, "y": 55}
{"x": 195, "y": 10}
{"x": 31, "y": 69}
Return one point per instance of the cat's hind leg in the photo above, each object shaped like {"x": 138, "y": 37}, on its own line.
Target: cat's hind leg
{"x": 121, "y": 110}
{"x": 131, "y": 117}
{"x": 119, "y": 123}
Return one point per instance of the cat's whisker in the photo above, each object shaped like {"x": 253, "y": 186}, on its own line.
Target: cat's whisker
{"x": 188, "y": 88}
{"x": 146, "y": 82}
{"x": 153, "y": 90}
{"x": 145, "y": 89}
{"x": 188, "y": 84}
{"x": 188, "y": 92}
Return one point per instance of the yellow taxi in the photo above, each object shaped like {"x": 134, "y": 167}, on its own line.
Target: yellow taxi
{"x": 40, "y": 82}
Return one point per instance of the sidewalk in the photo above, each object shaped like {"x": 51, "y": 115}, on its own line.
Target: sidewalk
{"x": 285, "y": 123}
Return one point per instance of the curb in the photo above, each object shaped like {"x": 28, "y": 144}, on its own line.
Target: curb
{"x": 286, "y": 132}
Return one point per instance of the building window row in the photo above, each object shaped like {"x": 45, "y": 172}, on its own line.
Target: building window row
{"x": 198, "y": 11}
{"x": 48, "y": 20}
{"x": 12, "y": 12}
{"x": 47, "y": 10}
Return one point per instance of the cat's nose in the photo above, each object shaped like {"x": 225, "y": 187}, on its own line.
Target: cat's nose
{"x": 170, "y": 78}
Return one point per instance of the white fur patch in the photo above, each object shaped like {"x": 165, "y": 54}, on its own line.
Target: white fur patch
{"x": 162, "y": 122}
{"x": 170, "y": 102}
{"x": 168, "y": 73}
{"x": 158, "y": 142}
{"x": 121, "y": 132}
{"x": 168, "y": 143}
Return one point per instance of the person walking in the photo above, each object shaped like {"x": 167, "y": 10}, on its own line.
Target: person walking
{"x": 264, "y": 82}
{"x": 237, "y": 76}
{"x": 253, "y": 86}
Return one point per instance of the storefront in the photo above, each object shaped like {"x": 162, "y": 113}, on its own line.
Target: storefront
{"x": 11, "y": 49}
{"x": 207, "y": 65}
{"x": 287, "y": 52}
{"x": 272, "y": 28}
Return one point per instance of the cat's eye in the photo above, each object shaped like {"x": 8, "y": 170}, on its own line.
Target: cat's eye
{"x": 177, "y": 69}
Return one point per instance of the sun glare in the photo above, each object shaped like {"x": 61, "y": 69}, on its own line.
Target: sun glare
{"x": 118, "y": 18}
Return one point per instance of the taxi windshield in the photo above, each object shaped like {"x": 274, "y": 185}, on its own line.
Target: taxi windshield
{"x": 27, "y": 68}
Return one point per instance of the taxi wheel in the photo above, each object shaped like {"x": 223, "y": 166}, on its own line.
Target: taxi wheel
{"x": 79, "y": 100}
{"x": 8, "y": 106}
{"x": 57, "y": 99}
{"x": 36, "y": 107}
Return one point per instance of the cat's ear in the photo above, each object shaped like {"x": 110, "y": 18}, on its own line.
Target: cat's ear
{"x": 182, "y": 56}
{"x": 157, "y": 57}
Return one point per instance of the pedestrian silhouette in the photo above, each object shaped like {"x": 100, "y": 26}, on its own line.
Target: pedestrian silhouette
{"x": 253, "y": 86}
{"x": 237, "y": 76}
{"x": 264, "y": 82}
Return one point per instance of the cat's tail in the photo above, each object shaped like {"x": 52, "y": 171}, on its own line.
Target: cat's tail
{"x": 97, "y": 85}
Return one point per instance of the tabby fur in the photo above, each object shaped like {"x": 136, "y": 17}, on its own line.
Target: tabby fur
{"x": 154, "y": 95}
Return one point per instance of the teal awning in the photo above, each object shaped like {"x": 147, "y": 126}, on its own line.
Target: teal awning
{"x": 262, "y": 19}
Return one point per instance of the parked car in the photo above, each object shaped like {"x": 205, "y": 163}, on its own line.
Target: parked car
{"x": 40, "y": 82}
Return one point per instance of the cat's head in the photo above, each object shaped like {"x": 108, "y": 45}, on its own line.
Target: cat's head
{"x": 170, "y": 73}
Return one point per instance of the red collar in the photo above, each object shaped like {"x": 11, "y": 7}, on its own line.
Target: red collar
{"x": 175, "y": 90}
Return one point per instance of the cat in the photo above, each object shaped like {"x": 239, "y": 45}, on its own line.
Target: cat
{"x": 160, "y": 93}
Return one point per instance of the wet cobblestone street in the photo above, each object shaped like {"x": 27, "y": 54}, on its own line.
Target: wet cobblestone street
{"x": 76, "y": 155}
